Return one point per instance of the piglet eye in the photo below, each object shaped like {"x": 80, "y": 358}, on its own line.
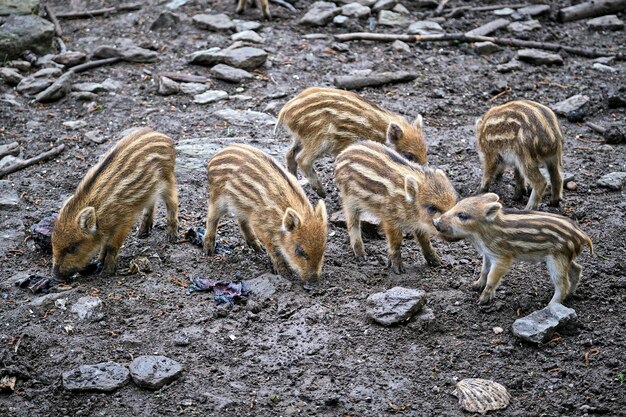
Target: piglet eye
{"x": 463, "y": 216}
{"x": 408, "y": 156}
{"x": 432, "y": 210}
{"x": 71, "y": 248}
{"x": 300, "y": 252}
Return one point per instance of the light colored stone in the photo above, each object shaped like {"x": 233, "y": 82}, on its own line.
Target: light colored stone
{"x": 604, "y": 68}
{"x": 213, "y": 22}
{"x": 538, "y": 57}
{"x": 210, "y": 96}
{"x": 167, "y": 86}
{"x": 230, "y": 74}
{"x": 136, "y": 54}
{"x": 9, "y": 200}
{"x": 512, "y": 65}
{"x": 486, "y": 48}
{"x": 166, "y": 20}
{"x": 534, "y": 10}
{"x": 247, "y": 36}
{"x": 539, "y": 326}
{"x": 105, "y": 377}
{"x": 608, "y": 22}
{"x": 614, "y": 181}
{"x": 384, "y": 5}
{"x": 25, "y": 32}
{"x": 154, "y": 372}
{"x": 506, "y": 11}
{"x": 75, "y": 124}
{"x": 247, "y": 58}
{"x": 395, "y": 305}
{"x": 393, "y": 19}
{"x": 571, "y": 104}
{"x": 8, "y": 7}
{"x": 355, "y": 10}
{"x": 243, "y": 25}
{"x": 193, "y": 89}
{"x": 399, "y": 8}
{"x": 320, "y": 13}
{"x": 248, "y": 117}
{"x": 489, "y": 27}
{"x": 340, "y": 20}
{"x": 31, "y": 85}
{"x": 425, "y": 27}
{"x": 401, "y": 46}
{"x": 10, "y": 76}
{"x": 88, "y": 308}
{"x": 524, "y": 26}
{"x": 70, "y": 59}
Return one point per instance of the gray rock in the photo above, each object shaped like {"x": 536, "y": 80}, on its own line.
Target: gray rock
{"x": 512, "y": 65}
{"x": 355, "y": 10}
{"x": 230, "y": 74}
{"x": 368, "y": 3}
{"x": 25, "y": 32}
{"x": 105, "y": 51}
{"x": 154, "y": 372}
{"x": 88, "y": 308}
{"x": 8, "y": 7}
{"x": 193, "y": 89}
{"x": 105, "y": 376}
{"x": 175, "y": 4}
{"x": 265, "y": 286}
{"x": 571, "y": 104}
{"x": 210, "y": 96}
{"x": 95, "y": 137}
{"x": 83, "y": 96}
{"x": 215, "y": 22}
{"x": 75, "y": 124}
{"x": 489, "y": 27}
{"x": 247, "y": 58}
{"x": 320, "y": 13}
{"x": 395, "y": 305}
{"x": 47, "y": 73}
{"x": 603, "y": 68}
{"x": 243, "y": 25}
{"x": 70, "y": 59}
{"x": 167, "y": 86}
{"x": 58, "y": 89}
{"x": 506, "y": 11}
{"x": 384, "y": 5}
{"x": 525, "y": 26}
{"x": 249, "y": 117}
{"x": 166, "y": 20}
{"x": 136, "y": 54}
{"x": 534, "y": 10}
{"x": 393, "y": 19}
{"x": 111, "y": 85}
{"x": 614, "y": 181}
{"x": 240, "y": 97}
{"x": 539, "y": 326}
{"x": 24, "y": 66}
{"x": 9, "y": 200}
{"x": 538, "y": 57}
{"x": 340, "y": 20}
{"x": 606, "y": 60}
{"x": 401, "y": 46}
{"x": 486, "y": 48}
{"x": 608, "y": 22}
{"x": 399, "y": 8}
{"x": 425, "y": 27}
{"x": 89, "y": 87}
{"x": 10, "y": 76}
{"x": 32, "y": 85}
{"x": 247, "y": 36}
{"x": 369, "y": 223}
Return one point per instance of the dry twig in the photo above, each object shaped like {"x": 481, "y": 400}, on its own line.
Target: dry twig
{"x": 28, "y": 162}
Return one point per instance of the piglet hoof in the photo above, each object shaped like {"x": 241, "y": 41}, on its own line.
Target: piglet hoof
{"x": 361, "y": 258}
{"x": 554, "y": 203}
{"x": 433, "y": 260}
{"x": 398, "y": 269}
{"x": 108, "y": 270}
{"x": 485, "y": 297}
{"x": 478, "y": 285}
{"x": 172, "y": 237}
{"x": 209, "y": 251}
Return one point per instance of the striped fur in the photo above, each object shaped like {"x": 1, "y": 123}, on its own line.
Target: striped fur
{"x": 271, "y": 209}
{"x": 522, "y": 134}
{"x": 325, "y": 121}
{"x": 261, "y": 4}
{"x": 504, "y": 236}
{"x": 404, "y": 196}
{"x": 128, "y": 179}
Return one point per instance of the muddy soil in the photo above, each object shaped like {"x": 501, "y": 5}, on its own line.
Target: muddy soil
{"x": 313, "y": 353}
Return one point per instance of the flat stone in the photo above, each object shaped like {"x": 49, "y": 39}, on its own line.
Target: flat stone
{"x": 608, "y": 22}
{"x": 369, "y": 223}
{"x": 89, "y": 87}
{"x": 247, "y": 36}
{"x": 320, "y": 13}
{"x": 166, "y": 20}
{"x": 175, "y": 4}
{"x": 489, "y": 27}
{"x": 105, "y": 377}
{"x": 604, "y": 68}
{"x": 193, "y": 89}
{"x": 9, "y": 200}
{"x": 239, "y": 117}
{"x": 83, "y": 96}
{"x": 10, "y": 76}
{"x": 243, "y": 25}
{"x": 569, "y": 105}
{"x": 393, "y": 19}
{"x": 512, "y": 65}
{"x": 210, "y": 96}
{"x": 32, "y": 85}
{"x": 95, "y": 137}
{"x": 355, "y": 10}
{"x": 214, "y": 22}
{"x": 395, "y": 305}
{"x": 538, "y": 57}
{"x": 401, "y": 46}
{"x": 105, "y": 51}
{"x": 25, "y": 32}
{"x": 486, "y": 48}
{"x": 8, "y": 7}
{"x": 524, "y": 26}
{"x": 47, "y": 73}
{"x": 167, "y": 86}
{"x": 614, "y": 181}
{"x": 606, "y": 60}
{"x": 265, "y": 286}
{"x": 154, "y": 372}
{"x": 75, "y": 124}
{"x": 399, "y": 8}
{"x": 70, "y": 59}
{"x": 24, "y": 66}
{"x": 384, "y": 5}
{"x": 539, "y": 326}
{"x": 506, "y": 11}
{"x": 138, "y": 54}
{"x": 247, "y": 58}
{"x": 88, "y": 308}
{"x": 230, "y": 74}
{"x": 340, "y": 20}
{"x": 534, "y": 10}
{"x": 425, "y": 27}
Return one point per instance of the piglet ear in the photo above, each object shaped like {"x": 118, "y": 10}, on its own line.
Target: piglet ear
{"x": 491, "y": 197}
{"x": 87, "y": 220}
{"x": 418, "y": 123}
{"x": 291, "y": 220}
{"x": 411, "y": 188}
{"x": 491, "y": 211}
{"x": 479, "y": 121}
{"x": 394, "y": 133}
{"x": 320, "y": 211}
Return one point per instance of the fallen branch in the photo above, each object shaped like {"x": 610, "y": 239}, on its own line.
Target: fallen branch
{"x": 458, "y": 11}
{"x": 12, "y": 148}
{"x": 28, "y": 162}
{"x": 591, "y": 9}
{"x": 57, "y": 26}
{"x": 284, "y": 4}
{"x": 99, "y": 12}
{"x": 95, "y": 64}
{"x": 440, "y": 7}
{"x": 461, "y": 37}
{"x": 614, "y": 134}
{"x": 352, "y": 82}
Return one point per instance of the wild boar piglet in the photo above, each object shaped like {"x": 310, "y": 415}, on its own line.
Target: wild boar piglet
{"x": 504, "y": 236}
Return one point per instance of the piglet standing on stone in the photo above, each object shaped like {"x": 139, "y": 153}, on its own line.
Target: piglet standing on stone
{"x": 522, "y": 134}
{"x": 405, "y": 196}
{"x": 271, "y": 209}
{"x": 326, "y": 121}
{"x": 137, "y": 171}
{"x": 505, "y": 235}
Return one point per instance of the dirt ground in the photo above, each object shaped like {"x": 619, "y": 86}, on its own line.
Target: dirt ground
{"x": 315, "y": 353}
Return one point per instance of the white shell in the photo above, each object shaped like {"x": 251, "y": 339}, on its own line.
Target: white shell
{"x": 481, "y": 395}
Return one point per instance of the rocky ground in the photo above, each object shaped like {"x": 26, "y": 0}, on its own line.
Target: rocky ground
{"x": 287, "y": 351}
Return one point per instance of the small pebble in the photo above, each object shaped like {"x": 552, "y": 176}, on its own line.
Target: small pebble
{"x": 571, "y": 186}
